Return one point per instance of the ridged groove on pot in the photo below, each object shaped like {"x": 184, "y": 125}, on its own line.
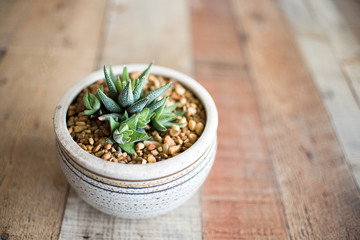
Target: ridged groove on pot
{"x": 138, "y": 202}
{"x": 131, "y": 184}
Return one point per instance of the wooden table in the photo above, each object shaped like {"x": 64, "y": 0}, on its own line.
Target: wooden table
{"x": 285, "y": 76}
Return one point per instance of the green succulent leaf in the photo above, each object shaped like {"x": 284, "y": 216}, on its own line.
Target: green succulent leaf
{"x": 118, "y": 84}
{"x": 115, "y": 116}
{"x": 165, "y": 118}
{"x": 155, "y": 105}
{"x": 91, "y": 102}
{"x": 157, "y": 125}
{"x": 161, "y": 108}
{"x": 128, "y": 147}
{"x": 153, "y": 95}
{"x": 109, "y": 104}
{"x": 123, "y": 134}
{"x": 125, "y": 76}
{"x": 113, "y": 124}
{"x": 171, "y": 108}
{"x": 126, "y": 97}
{"x": 138, "y": 136}
{"x": 125, "y": 116}
{"x": 146, "y": 72}
{"x": 139, "y": 85}
{"x": 131, "y": 122}
{"x": 112, "y": 75}
{"x": 89, "y": 112}
{"x": 138, "y": 106}
{"x": 97, "y": 95}
{"x": 144, "y": 118}
{"x": 110, "y": 84}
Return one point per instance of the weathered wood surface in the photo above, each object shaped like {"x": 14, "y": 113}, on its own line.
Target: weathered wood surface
{"x": 121, "y": 47}
{"x": 240, "y": 198}
{"x": 46, "y": 46}
{"x": 332, "y": 59}
{"x": 320, "y": 196}
{"x": 284, "y": 75}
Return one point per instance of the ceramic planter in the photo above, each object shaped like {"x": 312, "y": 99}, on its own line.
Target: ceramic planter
{"x": 136, "y": 191}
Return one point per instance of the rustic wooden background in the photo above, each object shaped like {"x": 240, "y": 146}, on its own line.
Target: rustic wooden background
{"x": 285, "y": 76}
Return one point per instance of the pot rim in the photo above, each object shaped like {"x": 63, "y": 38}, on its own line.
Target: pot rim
{"x": 136, "y": 172}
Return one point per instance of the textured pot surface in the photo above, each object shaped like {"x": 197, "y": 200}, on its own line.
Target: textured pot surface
{"x": 136, "y": 191}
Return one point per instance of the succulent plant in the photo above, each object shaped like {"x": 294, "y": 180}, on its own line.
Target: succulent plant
{"x": 128, "y": 110}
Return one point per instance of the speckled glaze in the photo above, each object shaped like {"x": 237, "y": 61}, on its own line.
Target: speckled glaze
{"x": 136, "y": 191}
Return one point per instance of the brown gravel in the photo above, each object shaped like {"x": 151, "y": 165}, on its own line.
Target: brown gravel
{"x": 91, "y": 134}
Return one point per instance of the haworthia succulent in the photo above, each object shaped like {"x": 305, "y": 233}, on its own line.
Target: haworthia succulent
{"x": 109, "y": 104}
{"x": 127, "y": 111}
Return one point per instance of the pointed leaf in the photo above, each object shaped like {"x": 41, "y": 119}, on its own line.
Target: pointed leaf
{"x": 109, "y": 104}
{"x": 153, "y": 95}
{"x": 169, "y": 124}
{"x": 138, "y": 106}
{"x": 155, "y": 105}
{"x": 90, "y": 112}
{"x": 86, "y": 101}
{"x": 118, "y": 85}
{"x": 110, "y": 84}
{"x": 115, "y": 116}
{"x": 125, "y": 75}
{"x": 165, "y": 118}
{"x": 160, "y": 109}
{"x": 171, "y": 108}
{"x": 126, "y": 97}
{"x": 157, "y": 125}
{"x": 125, "y": 116}
{"x": 97, "y": 95}
{"x": 146, "y": 72}
{"x": 138, "y": 136}
{"x": 139, "y": 88}
{"x": 113, "y": 124}
{"x": 128, "y": 147}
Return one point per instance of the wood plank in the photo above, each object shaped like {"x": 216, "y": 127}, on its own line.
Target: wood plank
{"x": 139, "y": 31}
{"x": 320, "y": 196}
{"x": 340, "y": 96}
{"x": 240, "y": 199}
{"x": 12, "y": 14}
{"x": 33, "y": 77}
{"x": 336, "y": 29}
{"x": 350, "y": 9}
{"x": 149, "y": 35}
{"x": 352, "y": 71}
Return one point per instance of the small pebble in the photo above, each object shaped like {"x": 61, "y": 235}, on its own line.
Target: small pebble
{"x": 151, "y": 147}
{"x": 169, "y": 141}
{"x": 139, "y": 146}
{"x": 174, "y": 132}
{"x": 91, "y": 141}
{"x": 151, "y": 158}
{"x": 192, "y": 125}
{"x": 199, "y": 128}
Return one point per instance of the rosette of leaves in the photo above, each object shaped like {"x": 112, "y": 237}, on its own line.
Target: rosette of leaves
{"x": 126, "y": 96}
{"x": 128, "y": 110}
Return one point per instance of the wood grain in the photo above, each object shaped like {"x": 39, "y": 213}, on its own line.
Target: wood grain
{"x": 156, "y": 39}
{"x": 320, "y": 196}
{"x": 36, "y": 70}
{"x": 240, "y": 199}
{"x": 336, "y": 78}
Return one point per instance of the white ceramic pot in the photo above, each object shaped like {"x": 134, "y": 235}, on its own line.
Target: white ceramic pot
{"x": 136, "y": 191}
